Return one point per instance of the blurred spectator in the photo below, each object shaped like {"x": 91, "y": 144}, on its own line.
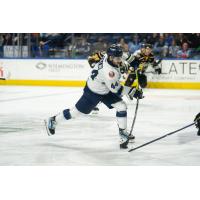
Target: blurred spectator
{"x": 121, "y": 41}
{"x": 197, "y": 41}
{"x": 1, "y": 45}
{"x": 100, "y": 45}
{"x": 153, "y": 39}
{"x": 173, "y": 49}
{"x": 180, "y": 38}
{"x": 35, "y": 45}
{"x": 79, "y": 45}
{"x": 194, "y": 40}
{"x": 7, "y": 39}
{"x": 123, "y": 44}
{"x": 43, "y": 49}
{"x": 134, "y": 44}
{"x": 185, "y": 52}
{"x": 71, "y": 51}
{"x": 82, "y": 48}
{"x": 125, "y": 48}
{"x": 161, "y": 47}
{"x": 168, "y": 39}
{"x": 50, "y": 43}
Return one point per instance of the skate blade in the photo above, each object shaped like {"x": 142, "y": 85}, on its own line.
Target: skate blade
{"x": 131, "y": 141}
{"x": 130, "y": 146}
{"x": 94, "y": 112}
{"x": 46, "y": 126}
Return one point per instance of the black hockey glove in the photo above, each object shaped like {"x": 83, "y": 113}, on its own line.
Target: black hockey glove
{"x": 197, "y": 123}
{"x": 158, "y": 70}
{"x": 156, "y": 63}
{"x": 136, "y": 93}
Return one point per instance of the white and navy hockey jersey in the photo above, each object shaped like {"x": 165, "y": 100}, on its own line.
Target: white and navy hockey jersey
{"x": 104, "y": 78}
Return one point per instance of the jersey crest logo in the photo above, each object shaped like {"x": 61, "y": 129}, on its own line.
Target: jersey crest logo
{"x": 111, "y": 74}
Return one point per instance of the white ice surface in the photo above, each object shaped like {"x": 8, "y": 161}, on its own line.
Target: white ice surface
{"x": 93, "y": 139}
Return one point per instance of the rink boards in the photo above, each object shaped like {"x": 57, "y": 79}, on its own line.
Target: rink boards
{"x": 179, "y": 74}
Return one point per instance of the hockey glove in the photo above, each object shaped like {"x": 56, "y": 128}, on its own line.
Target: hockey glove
{"x": 156, "y": 63}
{"x": 136, "y": 93}
{"x": 197, "y": 123}
{"x": 158, "y": 70}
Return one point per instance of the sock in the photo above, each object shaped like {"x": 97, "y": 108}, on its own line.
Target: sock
{"x": 122, "y": 119}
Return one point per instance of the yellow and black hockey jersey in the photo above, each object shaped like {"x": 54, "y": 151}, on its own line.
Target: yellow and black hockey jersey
{"x": 139, "y": 59}
{"x": 95, "y": 58}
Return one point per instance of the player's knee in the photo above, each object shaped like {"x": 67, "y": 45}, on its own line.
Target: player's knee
{"x": 143, "y": 84}
{"x": 120, "y": 106}
{"x": 142, "y": 80}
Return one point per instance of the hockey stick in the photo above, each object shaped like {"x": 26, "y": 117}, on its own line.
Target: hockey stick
{"x": 171, "y": 133}
{"x": 137, "y": 105}
{"x": 136, "y": 109}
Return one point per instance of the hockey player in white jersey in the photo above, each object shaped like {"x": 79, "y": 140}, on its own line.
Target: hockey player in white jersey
{"x": 103, "y": 85}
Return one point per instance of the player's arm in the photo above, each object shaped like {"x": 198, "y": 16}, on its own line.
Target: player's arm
{"x": 115, "y": 86}
{"x": 155, "y": 64}
{"x": 95, "y": 58}
{"x": 130, "y": 58}
{"x": 130, "y": 77}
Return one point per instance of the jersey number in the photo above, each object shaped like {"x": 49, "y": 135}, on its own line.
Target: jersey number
{"x": 114, "y": 85}
{"x": 94, "y": 74}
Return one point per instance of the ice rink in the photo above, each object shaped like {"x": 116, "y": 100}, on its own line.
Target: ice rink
{"x": 93, "y": 139}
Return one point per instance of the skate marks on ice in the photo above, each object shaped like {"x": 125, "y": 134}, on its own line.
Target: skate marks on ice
{"x": 18, "y": 123}
{"x": 26, "y": 96}
{"x": 93, "y": 140}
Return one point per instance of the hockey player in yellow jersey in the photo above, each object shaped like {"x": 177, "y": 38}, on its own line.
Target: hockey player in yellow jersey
{"x": 141, "y": 59}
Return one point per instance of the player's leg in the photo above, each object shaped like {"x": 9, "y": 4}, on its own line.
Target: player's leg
{"x": 130, "y": 79}
{"x": 85, "y": 105}
{"x": 64, "y": 115}
{"x": 113, "y": 101}
{"x": 142, "y": 79}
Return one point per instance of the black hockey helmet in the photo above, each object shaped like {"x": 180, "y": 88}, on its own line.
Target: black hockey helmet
{"x": 115, "y": 51}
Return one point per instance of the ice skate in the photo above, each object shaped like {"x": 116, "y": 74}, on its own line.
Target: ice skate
{"x": 51, "y": 125}
{"x": 95, "y": 110}
{"x": 131, "y": 138}
{"x": 124, "y": 139}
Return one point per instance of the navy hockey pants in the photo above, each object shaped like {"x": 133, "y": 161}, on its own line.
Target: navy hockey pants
{"x": 89, "y": 100}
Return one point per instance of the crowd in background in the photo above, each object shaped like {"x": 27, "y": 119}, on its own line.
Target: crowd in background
{"x": 80, "y": 45}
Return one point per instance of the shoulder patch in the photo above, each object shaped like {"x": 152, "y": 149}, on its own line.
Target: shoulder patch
{"x": 111, "y": 74}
